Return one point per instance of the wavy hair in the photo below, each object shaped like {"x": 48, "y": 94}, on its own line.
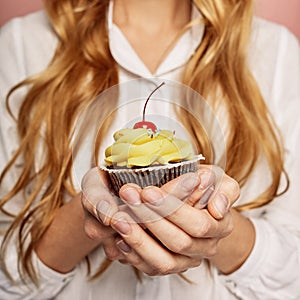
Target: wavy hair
{"x": 82, "y": 67}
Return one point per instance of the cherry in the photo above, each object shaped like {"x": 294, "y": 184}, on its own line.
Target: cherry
{"x": 143, "y": 123}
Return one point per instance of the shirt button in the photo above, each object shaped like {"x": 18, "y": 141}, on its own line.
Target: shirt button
{"x": 67, "y": 279}
{"x": 231, "y": 284}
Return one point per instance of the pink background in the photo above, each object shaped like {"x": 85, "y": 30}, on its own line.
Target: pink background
{"x": 286, "y": 12}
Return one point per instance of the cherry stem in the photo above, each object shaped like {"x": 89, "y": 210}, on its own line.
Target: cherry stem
{"x": 144, "y": 110}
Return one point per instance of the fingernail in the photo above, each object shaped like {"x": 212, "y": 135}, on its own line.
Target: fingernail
{"x": 121, "y": 226}
{"x": 189, "y": 182}
{"x": 206, "y": 180}
{"x": 153, "y": 196}
{"x": 104, "y": 210}
{"x": 123, "y": 246}
{"x": 205, "y": 198}
{"x": 131, "y": 196}
{"x": 221, "y": 204}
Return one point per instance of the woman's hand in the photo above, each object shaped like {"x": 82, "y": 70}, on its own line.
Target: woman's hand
{"x": 99, "y": 206}
{"x": 178, "y": 236}
{"x": 77, "y": 228}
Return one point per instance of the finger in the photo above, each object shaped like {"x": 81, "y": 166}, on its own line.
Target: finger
{"x": 187, "y": 187}
{"x": 130, "y": 194}
{"x": 142, "y": 211}
{"x": 178, "y": 241}
{"x": 125, "y": 208}
{"x": 194, "y": 189}
{"x": 132, "y": 258}
{"x": 111, "y": 250}
{"x": 96, "y": 197}
{"x": 196, "y": 223}
{"x": 201, "y": 195}
{"x": 217, "y": 191}
{"x": 210, "y": 177}
{"x": 182, "y": 186}
{"x": 154, "y": 258}
{"x": 225, "y": 195}
{"x": 96, "y": 230}
{"x": 129, "y": 256}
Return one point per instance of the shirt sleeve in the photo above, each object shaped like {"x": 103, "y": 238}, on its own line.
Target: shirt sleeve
{"x": 272, "y": 269}
{"x": 13, "y": 69}
{"x": 50, "y": 282}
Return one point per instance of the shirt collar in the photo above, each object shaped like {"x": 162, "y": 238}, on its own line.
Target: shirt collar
{"x": 127, "y": 58}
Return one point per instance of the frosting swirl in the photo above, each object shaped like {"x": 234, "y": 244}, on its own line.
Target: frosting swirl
{"x": 142, "y": 147}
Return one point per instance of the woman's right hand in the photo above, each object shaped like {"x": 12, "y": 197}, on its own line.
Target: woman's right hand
{"x": 78, "y": 227}
{"x": 99, "y": 206}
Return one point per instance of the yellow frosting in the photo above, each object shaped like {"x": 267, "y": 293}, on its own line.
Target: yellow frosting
{"x": 141, "y": 148}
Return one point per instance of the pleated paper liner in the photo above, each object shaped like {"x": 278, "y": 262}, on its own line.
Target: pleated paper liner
{"x": 153, "y": 175}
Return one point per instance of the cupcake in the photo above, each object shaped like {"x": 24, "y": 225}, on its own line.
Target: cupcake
{"x": 148, "y": 156}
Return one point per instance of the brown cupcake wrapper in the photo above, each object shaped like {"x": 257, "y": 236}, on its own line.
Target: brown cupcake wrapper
{"x": 156, "y": 176}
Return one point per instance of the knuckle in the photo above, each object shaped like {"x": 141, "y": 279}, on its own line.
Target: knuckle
{"x": 182, "y": 245}
{"x": 196, "y": 263}
{"x": 212, "y": 249}
{"x": 229, "y": 227}
{"x": 84, "y": 202}
{"x": 135, "y": 260}
{"x": 93, "y": 231}
{"x": 166, "y": 268}
{"x": 211, "y": 253}
{"x": 88, "y": 176}
{"x": 111, "y": 254}
{"x": 233, "y": 187}
{"x": 91, "y": 195}
{"x": 137, "y": 243}
{"x": 206, "y": 168}
{"x": 89, "y": 201}
{"x": 85, "y": 179}
{"x": 202, "y": 229}
{"x": 89, "y": 207}
{"x": 151, "y": 272}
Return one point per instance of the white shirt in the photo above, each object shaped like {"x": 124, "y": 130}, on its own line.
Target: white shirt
{"x": 272, "y": 271}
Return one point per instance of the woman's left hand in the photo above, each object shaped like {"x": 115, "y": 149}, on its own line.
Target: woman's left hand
{"x": 177, "y": 236}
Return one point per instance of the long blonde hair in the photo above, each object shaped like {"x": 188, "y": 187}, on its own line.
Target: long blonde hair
{"x": 82, "y": 67}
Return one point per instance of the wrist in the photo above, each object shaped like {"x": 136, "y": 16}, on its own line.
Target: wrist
{"x": 65, "y": 243}
{"x": 234, "y": 249}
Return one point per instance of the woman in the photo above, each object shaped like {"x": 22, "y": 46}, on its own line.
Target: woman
{"x": 81, "y": 48}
